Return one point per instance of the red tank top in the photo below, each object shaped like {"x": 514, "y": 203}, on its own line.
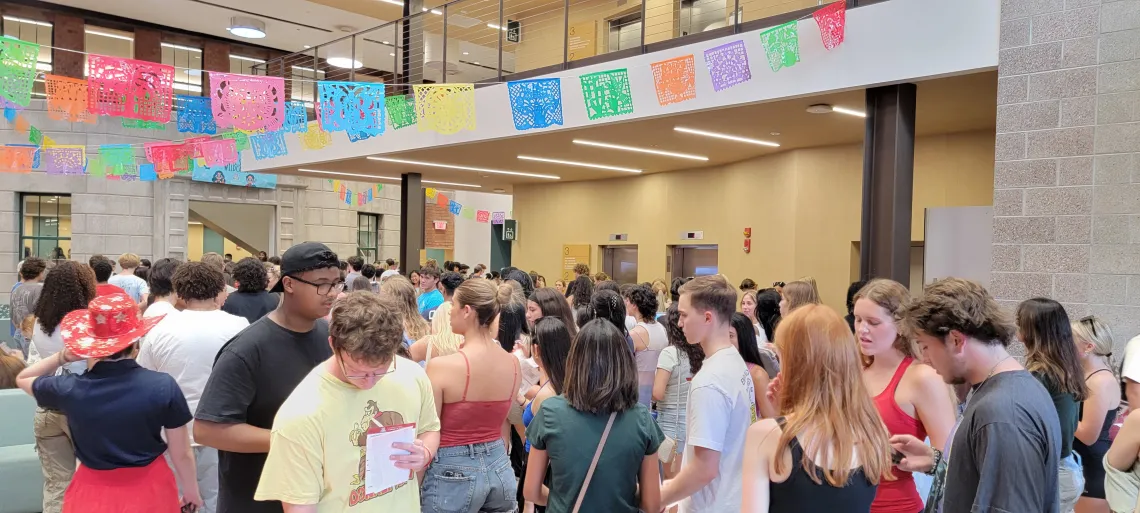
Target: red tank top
{"x": 473, "y": 422}
{"x": 900, "y": 495}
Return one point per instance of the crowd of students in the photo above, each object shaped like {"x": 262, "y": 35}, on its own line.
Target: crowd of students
{"x": 307, "y": 384}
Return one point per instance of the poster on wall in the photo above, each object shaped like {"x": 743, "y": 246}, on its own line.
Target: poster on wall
{"x": 582, "y": 40}
{"x": 572, "y": 255}
{"x": 232, "y": 175}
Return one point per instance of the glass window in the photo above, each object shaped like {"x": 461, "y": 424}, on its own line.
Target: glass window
{"x": 244, "y": 65}
{"x": 367, "y": 236}
{"x": 33, "y": 31}
{"x": 45, "y": 227}
{"x": 187, "y": 62}
{"x": 110, "y": 42}
{"x": 304, "y": 85}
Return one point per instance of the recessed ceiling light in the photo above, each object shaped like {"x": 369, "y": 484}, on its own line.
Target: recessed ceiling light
{"x": 496, "y": 27}
{"x": 393, "y": 2}
{"x": 475, "y": 63}
{"x": 464, "y": 168}
{"x": 774, "y": 133}
{"x": 641, "y": 150}
{"x": 725, "y": 136}
{"x": 344, "y": 62}
{"x": 466, "y": 53}
{"x": 386, "y": 42}
{"x": 391, "y": 55}
{"x": 499, "y": 190}
{"x": 393, "y": 178}
{"x": 579, "y": 164}
{"x": 250, "y": 28}
{"x": 849, "y": 112}
{"x": 307, "y": 46}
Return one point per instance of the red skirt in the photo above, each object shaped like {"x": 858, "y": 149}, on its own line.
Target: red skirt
{"x": 149, "y": 489}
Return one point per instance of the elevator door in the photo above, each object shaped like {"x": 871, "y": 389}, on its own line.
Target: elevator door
{"x": 690, "y": 261}
{"x": 620, "y": 262}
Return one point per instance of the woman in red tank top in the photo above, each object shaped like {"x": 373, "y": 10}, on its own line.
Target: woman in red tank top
{"x": 911, "y": 397}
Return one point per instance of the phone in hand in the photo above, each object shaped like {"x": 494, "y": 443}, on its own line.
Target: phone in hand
{"x": 189, "y": 508}
{"x": 896, "y": 457}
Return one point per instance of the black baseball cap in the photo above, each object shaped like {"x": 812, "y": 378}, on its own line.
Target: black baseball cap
{"x": 305, "y": 256}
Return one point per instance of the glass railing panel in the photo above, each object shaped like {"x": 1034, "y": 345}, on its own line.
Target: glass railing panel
{"x": 473, "y": 37}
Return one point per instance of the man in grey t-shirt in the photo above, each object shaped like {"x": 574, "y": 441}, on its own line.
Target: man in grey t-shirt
{"x": 1005, "y": 450}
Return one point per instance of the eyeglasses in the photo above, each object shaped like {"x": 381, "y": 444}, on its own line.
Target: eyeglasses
{"x": 362, "y": 377}
{"x": 322, "y": 288}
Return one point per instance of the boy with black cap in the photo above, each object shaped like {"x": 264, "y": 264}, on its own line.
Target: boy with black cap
{"x": 260, "y": 367}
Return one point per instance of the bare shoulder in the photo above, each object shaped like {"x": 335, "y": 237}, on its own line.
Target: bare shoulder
{"x": 922, "y": 375}
{"x": 761, "y": 430}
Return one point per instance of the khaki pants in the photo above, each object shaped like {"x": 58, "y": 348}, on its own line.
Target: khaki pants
{"x": 57, "y": 456}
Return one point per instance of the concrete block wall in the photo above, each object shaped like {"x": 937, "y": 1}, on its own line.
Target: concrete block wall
{"x": 328, "y": 219}
{"x": 1067, "y": 173}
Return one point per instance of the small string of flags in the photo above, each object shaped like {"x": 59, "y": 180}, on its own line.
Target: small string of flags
{"x": 245, "y": 112}
{"x": 359, "y": 198}
{"x": 481, "y": 216}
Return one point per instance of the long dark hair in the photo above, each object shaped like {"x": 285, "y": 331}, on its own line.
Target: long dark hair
{"x": 601, "y": 377}
{"x": 677, "y": 339}
{"x": 768, "y": 311}
{"x": 69, "y": 286}
{"x": 746, "y": 339}
{"x": 583, "y": 290}
{"x": 553, "y": 304}
{"x": 608, "y": 305}
{"x": 1045, "y": 330}
{"x": 553, "y": 340}
{"x": 512, "y": 314}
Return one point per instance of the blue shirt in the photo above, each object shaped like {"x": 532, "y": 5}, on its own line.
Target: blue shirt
{"x": 131, "y": 284}
{"x": 116, "y": 412}
{"x": 428, "y": 302}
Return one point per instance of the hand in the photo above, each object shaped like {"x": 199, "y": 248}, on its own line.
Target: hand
{"x": 416, "y": 459}
{"x": 773, "y": 392}
{"x": 917, "y": 456}
{"x": 69, "y": 357}
{"x": 193, "y": 498}
{"x": 521, "y": 349}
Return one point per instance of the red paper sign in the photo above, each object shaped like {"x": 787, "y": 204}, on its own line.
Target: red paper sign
{"x": 483, "y": 216}
{"x": 129, "y": 88}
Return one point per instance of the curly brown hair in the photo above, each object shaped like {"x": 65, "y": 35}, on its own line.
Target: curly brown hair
{"x": 368, "y": 327}
{"x": 957, "y": 304}
{"x": 197, "y": 281}
{"x": 69, "y": 286}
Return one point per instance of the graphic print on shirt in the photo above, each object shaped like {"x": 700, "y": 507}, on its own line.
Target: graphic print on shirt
{"x": 750, "y": 387}
{"x": 359, "y": 437}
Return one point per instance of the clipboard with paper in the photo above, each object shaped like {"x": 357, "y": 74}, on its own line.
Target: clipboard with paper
{"x": 381, "y": 472}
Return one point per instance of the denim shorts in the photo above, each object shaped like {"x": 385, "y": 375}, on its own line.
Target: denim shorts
{"x": 470, "y": 479}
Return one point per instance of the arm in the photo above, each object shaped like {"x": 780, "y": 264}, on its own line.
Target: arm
{"x": 764, "y": 408}
{"x": 1096, "y": 407}
{"x": 933, "y": 407}
{"x": 756, "y": 477}
{"x": 418, "y": 350}
{"x": 222, "y": 410}
{"x": 44, "y": 367}
{"x": 649, "y": 484}
{"x": 533, "y": 490}
{"x": 660, "y": 383}
{"x": 298, "y": 508}
{"x": 232, "y": 437}
{"x": 694, "y": 475}
{"x": 1123, "y": 452}
{"x": 182, "y": 455}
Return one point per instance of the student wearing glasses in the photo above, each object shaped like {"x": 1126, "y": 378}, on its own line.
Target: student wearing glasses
{"x": 318, "y": 456}
{"x": 257, "y": 370}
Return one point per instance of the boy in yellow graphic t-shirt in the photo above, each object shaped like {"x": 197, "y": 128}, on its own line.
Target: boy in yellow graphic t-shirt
{"x": 319, "y": 454}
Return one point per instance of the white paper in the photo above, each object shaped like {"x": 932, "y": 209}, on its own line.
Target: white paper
{"x": 380, "y": 471}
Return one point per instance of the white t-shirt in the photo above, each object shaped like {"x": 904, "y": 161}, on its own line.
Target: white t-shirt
{"x": 159, "y": 308}
{"x": 1131, "y": 367}
{"x": 185, "y": 345}
{"x": 721, "y": 407}
{"x": 133, "y": 285}
{"x": 44, "y": 345}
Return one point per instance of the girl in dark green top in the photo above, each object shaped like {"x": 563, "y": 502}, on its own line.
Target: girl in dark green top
{"x": 1043, "y": 326}
{"x": 600, "y": 379}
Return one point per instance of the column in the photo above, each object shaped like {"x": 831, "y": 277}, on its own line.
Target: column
{"x": 412, "y": 43}
{"x": 888, "y": 179}
{"x": 67, "y": 33}
{"x": 411, "y": 220}
{"x": 148, "y": 45}
{"x": 215, "y": 57}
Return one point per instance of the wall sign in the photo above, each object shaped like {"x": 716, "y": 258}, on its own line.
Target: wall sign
{"x": 582, "y": 40}
{"x": 572, "y": 255}
{"x": 440, "y": 225}
{"x": 510, "y": 230}
{"x": 514, "y": 31}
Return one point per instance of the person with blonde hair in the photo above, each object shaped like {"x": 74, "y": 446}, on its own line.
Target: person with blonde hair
{"x": 909, "y": 396}
{"x": 415, "y": 326}
{"x": 1094, "y": 343}
{"x": 661, "y": 290}
{"x": 442, "y": 341}
{"x": 796, "y": 294}
{"x": 134, "y": 286}
{"x": 473, "y": 389}
{"x": 829, "y": 451}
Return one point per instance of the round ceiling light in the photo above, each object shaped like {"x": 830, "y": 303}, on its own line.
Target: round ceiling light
{"x": 819, "y": 108}
{"x": 344, "y": 62}
{"x": 249, "y": 28}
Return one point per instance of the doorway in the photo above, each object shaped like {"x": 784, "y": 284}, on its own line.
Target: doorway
{"x": 691, "y": 261}
{"x": 620, "y": 263}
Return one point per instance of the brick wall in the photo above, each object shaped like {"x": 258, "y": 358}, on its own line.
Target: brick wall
{"x": 438, "y": 239}
{"x": 1067, "y": 173}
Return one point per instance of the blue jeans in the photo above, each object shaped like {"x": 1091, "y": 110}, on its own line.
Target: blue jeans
{"x": 470, "y": 479}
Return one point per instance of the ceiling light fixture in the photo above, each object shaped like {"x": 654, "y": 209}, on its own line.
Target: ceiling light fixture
{"x": 249, "y": 28}
{"x": 385, "y": 42}
{"x": 849, "y": 112}
{"x": 464, "y": 168}
{"x": 108, "y": 34}
{"x": 393, "y": 178}
{"x": 496, "y": 27}
{"x": 725, "y": 136}
{"x": 393, "y": 2}
{"x": 579, "y": 164}
{"x": 250, "y": 59}
{"x": 391, "y": 55}
{"x": 641, "y": 150}
{"x": 25, "y": 20}
{"x": 344, "y": 62}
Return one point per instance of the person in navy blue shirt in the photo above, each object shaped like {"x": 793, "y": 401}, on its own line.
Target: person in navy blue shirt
{"x": 118, "y": 413}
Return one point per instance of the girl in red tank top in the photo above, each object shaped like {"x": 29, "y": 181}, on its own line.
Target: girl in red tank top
{"x": 910, "y": 397}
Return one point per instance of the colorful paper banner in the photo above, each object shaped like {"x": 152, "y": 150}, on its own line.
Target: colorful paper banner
{"x": 782, "y": 45}
{"x": 430, "y": 193}
{"x": 482, "y": 216}
{"x": 195, "y": 115}
{"x": 129, "y": 88}
{"x": 16, "y": 158}
{"x": 17, "y": 69}
{"x": 401, "y": 110}
{"x": 498, "y": 217}
{"x": 67, "y": 99}
{"x": 247, "y": 102}
{"x": 445, "y": 108}
{"x": 315, "y": 138}
{"x": 296, "y": 120}
{"x": 535, "y": 103}
{"x": 454, "y": 208}
{"x": 352, "y": 107}
{"x": 270, "y": 145}
{"x": 832, "y": 20}
{"x": 441, "y": 200}
{"x": 728, "y": 65}
{"x": 607, "y": 94}
{"x": 675, "y": 80}
{"x": 65, "y": 160}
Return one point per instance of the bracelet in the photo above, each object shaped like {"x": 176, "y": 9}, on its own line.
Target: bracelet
{"x": 937, "y": 458}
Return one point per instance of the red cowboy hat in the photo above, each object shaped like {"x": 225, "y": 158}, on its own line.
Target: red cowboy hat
{"x": 108, "y": 325}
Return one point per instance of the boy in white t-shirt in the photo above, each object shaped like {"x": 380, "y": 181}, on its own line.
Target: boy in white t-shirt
{"x": 721, "y": 404}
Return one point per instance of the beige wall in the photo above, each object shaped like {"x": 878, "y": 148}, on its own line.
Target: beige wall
{"x": 803, "y": 207}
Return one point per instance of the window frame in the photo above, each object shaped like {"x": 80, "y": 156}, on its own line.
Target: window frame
{"x": 373, "y": 230}
{"x": 22, "y": 237}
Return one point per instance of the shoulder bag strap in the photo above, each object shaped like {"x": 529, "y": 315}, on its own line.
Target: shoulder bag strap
{"x": 594, "y": 464}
